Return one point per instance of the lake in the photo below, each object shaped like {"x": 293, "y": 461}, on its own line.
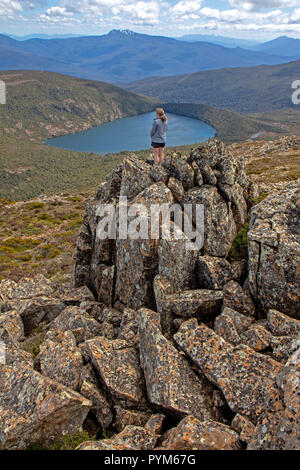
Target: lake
{"x": 133, "y": 133}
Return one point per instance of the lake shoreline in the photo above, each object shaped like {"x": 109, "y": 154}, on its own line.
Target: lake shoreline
{"x": 132, "y": 135}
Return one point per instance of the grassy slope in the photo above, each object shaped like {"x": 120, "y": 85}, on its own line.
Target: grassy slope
{"x": 39, "y": 236}
{"x": 28, "y": 169}
{"x": 244, "y": 90}
{"x": 288, "y": 120}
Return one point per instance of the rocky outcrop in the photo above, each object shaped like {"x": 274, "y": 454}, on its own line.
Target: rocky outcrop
{"x": 35, "y": 409}
{"x": 38, "y": 300}
{"x": 222, "y": 188}
{"x": 247, "y": 379}
{"x": 274, "y": 247}
{"x": 117, "y": 365}
{"x": 39, "y": 397}
{"x": 193, "y": 434}
{"x": 161, "y": 346}
{"x": 171, "y": 384}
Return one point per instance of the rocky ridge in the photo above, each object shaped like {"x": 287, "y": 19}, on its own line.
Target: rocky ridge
{"x": 165, "y": 347}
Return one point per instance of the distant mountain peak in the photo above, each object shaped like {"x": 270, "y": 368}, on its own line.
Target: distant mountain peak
{"x": 283, "y": 46}
{"x": 123, "y": 32}
{"x": 283, "y": 38}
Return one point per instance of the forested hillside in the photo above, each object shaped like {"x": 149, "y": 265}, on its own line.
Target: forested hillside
{"x": 244, "y": 90}
{"x": 43, "y": 104}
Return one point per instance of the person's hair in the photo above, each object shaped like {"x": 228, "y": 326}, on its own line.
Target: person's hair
{"x": 161, "y": 114}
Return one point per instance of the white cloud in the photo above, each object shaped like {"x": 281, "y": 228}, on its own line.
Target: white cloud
{"x": 165, "y": 15}
{"x": 238, "y": 17}
{"x": 147, "y": 12}
{"x": 96, "y": 7}
{"x": 141, "y": 11}
{"x": 31, "y": 4}
{"x": 57, "y": 12}
{"x": 185, "y": 7}
{"x": 231, "y": 20}
{"x": 295, "y": 17}
{"x": 10, "y": 8}
{"x": 255, "y": 5}
{"x": 224, "y": 15}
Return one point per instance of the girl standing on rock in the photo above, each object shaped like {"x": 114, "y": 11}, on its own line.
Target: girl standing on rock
{"x": 159, "y": 135}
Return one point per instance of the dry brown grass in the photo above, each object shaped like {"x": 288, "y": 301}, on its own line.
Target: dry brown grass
{"x": 270, "y": 164}
{"x": 39, "y": 236}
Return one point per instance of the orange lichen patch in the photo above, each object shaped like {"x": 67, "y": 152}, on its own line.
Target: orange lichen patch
{"x": 118, "y": 366}
{"x": 192, "y": 434}
{"x": 246, "y": 378}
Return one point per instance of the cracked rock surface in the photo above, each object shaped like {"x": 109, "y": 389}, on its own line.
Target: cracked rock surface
{"x": 156, "y": 346}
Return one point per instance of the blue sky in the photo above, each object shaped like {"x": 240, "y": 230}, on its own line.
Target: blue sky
{"x": 253, "y": 19}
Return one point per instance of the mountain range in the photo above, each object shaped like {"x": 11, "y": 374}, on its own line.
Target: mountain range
{"x": 283, "y": 46}
{"x": 220, "y": 40}
{"x": 244, "y": 90}
{"x": 125, "y": 56}
{"x": 44, "y": 36}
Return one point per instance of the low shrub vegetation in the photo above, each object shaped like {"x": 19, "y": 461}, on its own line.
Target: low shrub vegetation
{"x": 239, "y": 249}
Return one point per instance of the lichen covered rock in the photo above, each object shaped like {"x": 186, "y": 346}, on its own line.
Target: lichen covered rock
{"x": 195, "y": 303}
{"x": 193, "y": 434}
{"x": 116, "y": 353}
{"x": 280, "y": 430}
{"x": 246, "y": 378}
{"x": 274, "y": 247}
{"x": 213, "y": 273}
{"x": 220, "y": 227}
{"x": 35, "y": 409}
{"x": 79, "y": 322}
{"x": 60, "y": 359}
{"x": 131, "y": 438}
{"x": 171, "y": 384}
{"x": 236, "y": 298}
{"x": 118, "y": 367}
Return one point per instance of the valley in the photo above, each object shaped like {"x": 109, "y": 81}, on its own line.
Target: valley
{"x": 41, "y": 105}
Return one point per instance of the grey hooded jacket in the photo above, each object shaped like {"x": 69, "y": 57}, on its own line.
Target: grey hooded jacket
{"x": 159, "y": 131}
